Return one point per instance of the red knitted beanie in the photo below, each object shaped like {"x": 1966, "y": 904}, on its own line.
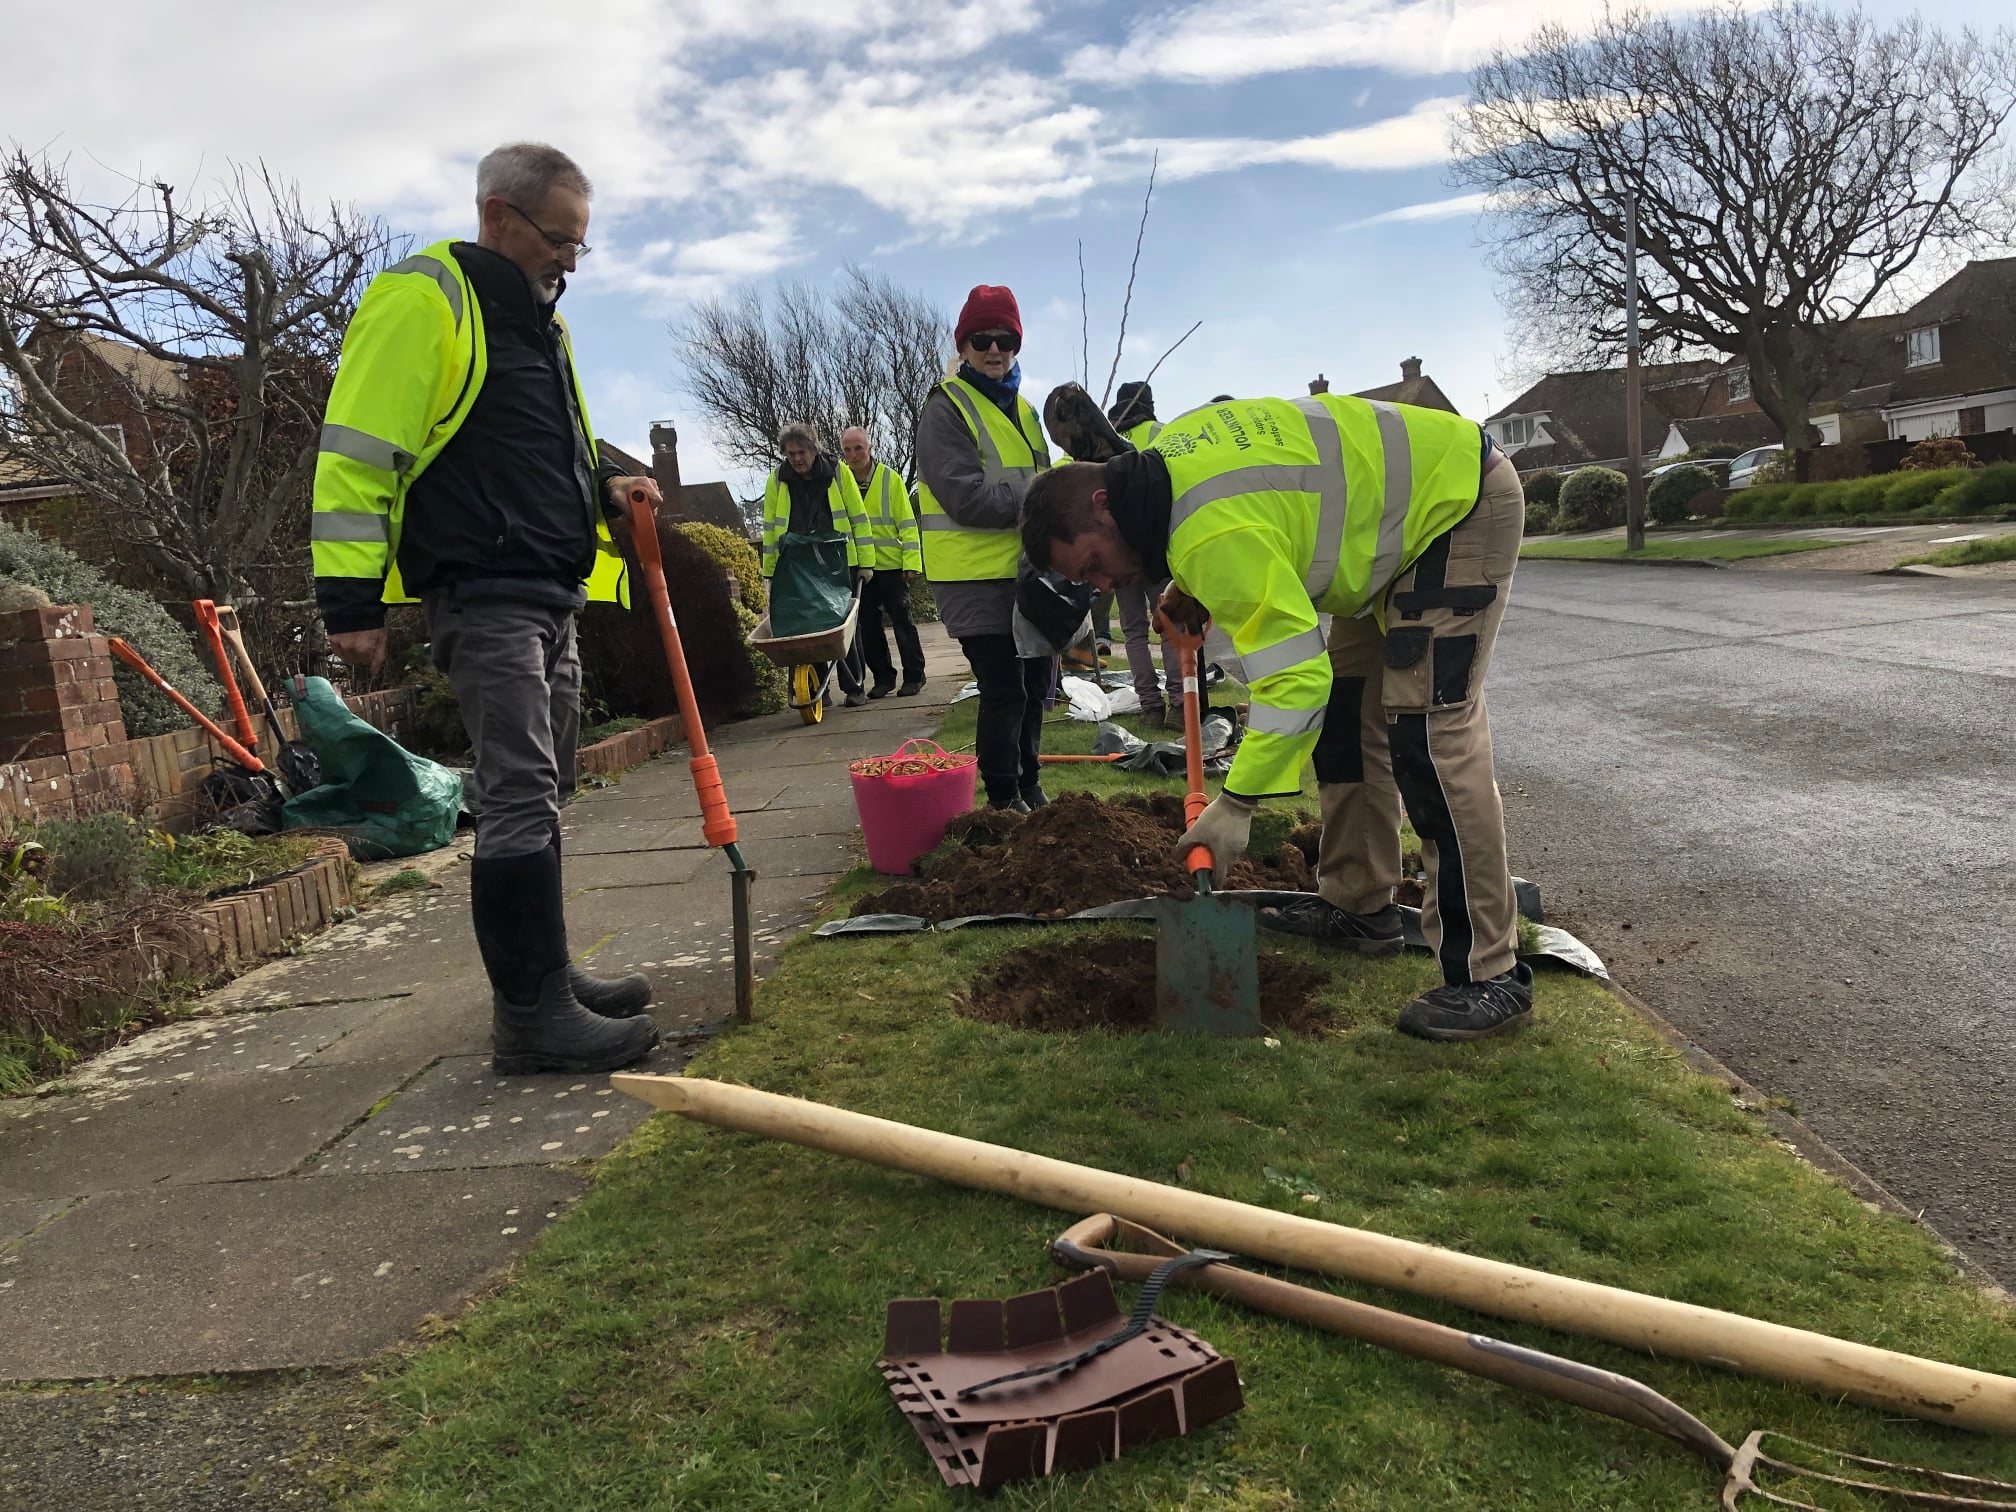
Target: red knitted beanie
{"x": 990, "y": 307}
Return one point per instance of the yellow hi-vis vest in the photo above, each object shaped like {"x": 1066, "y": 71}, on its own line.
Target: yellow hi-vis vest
{"x": 1138, "y": 436}
{"x": 842, "y": 497}
{"x": 414, "y": 360}
{"x": 1281, "y": 509}
{"x": 891, "y": 538}
{"x": 955, "y": 553}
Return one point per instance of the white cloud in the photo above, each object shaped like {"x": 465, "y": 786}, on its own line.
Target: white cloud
{"x": 1217, "y": 41}
{"x": 1433, "y": 210}
{"x": 1418, "y": 139}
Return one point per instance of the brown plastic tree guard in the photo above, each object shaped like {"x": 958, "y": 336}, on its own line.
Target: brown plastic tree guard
{"x": 1929, "y": 1389}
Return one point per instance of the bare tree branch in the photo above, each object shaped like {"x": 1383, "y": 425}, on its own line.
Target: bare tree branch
{"x": 1127, "y": 304}
{"x": 1789, "y": 165}
{"x": 866, "y": 352}
{"x": 1084, "y": 320}
{"x": 1166, "y": 355}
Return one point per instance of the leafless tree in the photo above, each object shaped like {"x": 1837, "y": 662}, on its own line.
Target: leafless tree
{"x": 171, "y": 361}
{"x": 1788, "y": 166}
{"x": 864, "y": 352}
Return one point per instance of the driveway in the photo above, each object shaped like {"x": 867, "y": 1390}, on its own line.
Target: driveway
{"x": 1783, "y": 806}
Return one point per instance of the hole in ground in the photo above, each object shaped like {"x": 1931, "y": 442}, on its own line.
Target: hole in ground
{"x": 1110, "y": 984}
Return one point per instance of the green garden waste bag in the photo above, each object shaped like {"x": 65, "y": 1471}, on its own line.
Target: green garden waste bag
{"x": 810, "y": 589}
{"x": 381, "y": 798}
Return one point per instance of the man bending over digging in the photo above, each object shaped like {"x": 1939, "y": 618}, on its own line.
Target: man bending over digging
{"x": 1403, "y": 525}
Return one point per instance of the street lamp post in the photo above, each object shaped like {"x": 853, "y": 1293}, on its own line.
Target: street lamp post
{"x": 1634, "y": 440}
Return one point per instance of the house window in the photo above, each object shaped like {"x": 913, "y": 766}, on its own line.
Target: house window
{"x": 1739, "y": 385}
{"x": 1517, "y": 431}
{"x": 1921, "y": 347}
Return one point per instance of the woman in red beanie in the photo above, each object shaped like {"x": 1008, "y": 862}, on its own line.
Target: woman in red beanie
{"x": 979, "y": 445}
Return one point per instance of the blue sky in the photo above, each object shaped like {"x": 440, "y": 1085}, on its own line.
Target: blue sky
{"x": 1303, "y": 212}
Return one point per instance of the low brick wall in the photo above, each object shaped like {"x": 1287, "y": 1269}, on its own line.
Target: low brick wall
{"x": 62, "y": 737}
{"x": 632, "y": 748}
{"x": 239, "y": 931}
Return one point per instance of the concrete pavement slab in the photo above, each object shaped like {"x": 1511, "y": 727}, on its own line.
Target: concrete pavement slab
{"x": 763, "y": 824}
{"x": 213, "y": 1044}
{"x": 411, "y": 938}
{"x": 664, "y": 790}
{"x": 419, "y": 1029}
{"x": 223, "y": 1128}
{"x": 264, "y": 1275}
{"x": 593, "y": 870}
{"x": 18, "y": 1218}
{"x": 458, "y": 1115}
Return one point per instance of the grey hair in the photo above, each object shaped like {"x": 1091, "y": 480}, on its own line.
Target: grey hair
{"x": 524, "y": 173}
{"x": 799, "y": 431}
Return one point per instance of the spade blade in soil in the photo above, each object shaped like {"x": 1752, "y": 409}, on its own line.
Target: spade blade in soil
{"x": 1207, "y": 968}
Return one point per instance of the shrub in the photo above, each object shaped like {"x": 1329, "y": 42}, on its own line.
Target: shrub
{"x": 1868, "y": 495}
{"x": 1797, "y": 504}
{"x": 1938, "y": 454}
{"x": 96, "y": 859}
{"x": 1718, "y": 451}
{"x": 736, "y": 557}
{"x": 436, "y": 727}
{"x": 1918, "y": 489}
{"x": 27, "y": 558}
{"x": 1539, "y": 518}
{"x": 1593, "y": 498}
{"x": 1780, "y": 467}
{"x": 1544, "y": 487}
{"x": 1980, "y": 492}
{"x": 773, "y": 683}
{"x": 1827, "y": 498}
{"x": 923, "y": 607}
{"x": 1672, "y": 493}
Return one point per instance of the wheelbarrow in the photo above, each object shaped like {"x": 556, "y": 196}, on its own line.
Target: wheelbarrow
{"x": 812, "y": 660}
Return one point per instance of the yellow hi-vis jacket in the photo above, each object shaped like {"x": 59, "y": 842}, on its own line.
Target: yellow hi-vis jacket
{"x": 1138, "y": 436}
{"x": 414, "y": 359}
{"x": 891, "y": 541}
{"x": 955, "y": 553}
{"x": 1281, "y": 509}
{"x": 848, "y": 517}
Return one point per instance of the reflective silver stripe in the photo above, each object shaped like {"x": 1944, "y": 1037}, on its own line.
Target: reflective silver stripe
{"x": 946, "y": 522}
{"x": 992, "y": 469}
{"x": 349, "y": 525}
{"x": 1269, "y": 720}
{"x": 890, "y": 541}
{"x": 420, "y": 262}
{"x": 1335, "y": 500}
{"x": 362, "y": 446}
{"x": 1393, "y": 442}
{"x": 1282, "y": 655}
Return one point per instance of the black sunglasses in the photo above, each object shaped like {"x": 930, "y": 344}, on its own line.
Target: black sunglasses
{"x": 560, "y": 244}
{"x": 991, "y": 341}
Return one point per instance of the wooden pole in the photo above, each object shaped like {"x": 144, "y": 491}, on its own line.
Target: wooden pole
{"x": 1634, "y": 435}
{"x": 1929, "y": 1389}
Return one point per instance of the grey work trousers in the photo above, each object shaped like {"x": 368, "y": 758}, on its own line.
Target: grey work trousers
{"x": 517, "y": 676}
{"x": 1136, "y": 603}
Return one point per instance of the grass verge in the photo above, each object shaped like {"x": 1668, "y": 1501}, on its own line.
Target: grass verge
{"x": 1612, "y": 549}
{"x": 1998, "y": 548}
{"x": 701, "y": 1331}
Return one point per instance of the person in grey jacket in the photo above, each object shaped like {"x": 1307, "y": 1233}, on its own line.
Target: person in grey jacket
{"x": 979, "y": 446}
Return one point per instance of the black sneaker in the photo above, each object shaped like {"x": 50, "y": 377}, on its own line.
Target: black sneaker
{"x": 883, "y": 689}
{"x": 1034, "y": 797}
{"x": 855, "y": 701}
{"x": 1314, "y": 918}
{"x": 1472, "y": 1010}
{"x": 911, "y": 689}
{"x": 1013, "y": 806}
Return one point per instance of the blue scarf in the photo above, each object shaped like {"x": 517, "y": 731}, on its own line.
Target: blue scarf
{"x": 1002, "y": 392}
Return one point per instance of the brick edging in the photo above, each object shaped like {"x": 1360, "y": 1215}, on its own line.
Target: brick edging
{"x": 630, "y": 749}
{"x": 235, "y": 933}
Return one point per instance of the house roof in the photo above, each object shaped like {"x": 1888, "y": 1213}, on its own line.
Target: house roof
{"x": 1422, "y": 392}
{"x": 1976, "y": 356}
{"x": 1586, "y": 413}
{"x": 143, "y": 372}
{"x": 1989, "y": 278}
{"x": 632, "y": 468}
{"x": 1743, "y": 431}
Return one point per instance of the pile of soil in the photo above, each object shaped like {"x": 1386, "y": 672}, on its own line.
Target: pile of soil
{"x": 1308, "y": 839}
{"x": 1110, "y": 984}
{"x": 1076, "y": 852}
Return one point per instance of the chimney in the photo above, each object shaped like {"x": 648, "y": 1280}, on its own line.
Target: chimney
{"x": 665, "y": 464}
{"x": 1410, "y": 369}
{"x": 1319, "y": 385}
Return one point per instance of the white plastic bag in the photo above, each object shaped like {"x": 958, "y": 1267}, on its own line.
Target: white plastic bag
{"x": 1089, "y": 702}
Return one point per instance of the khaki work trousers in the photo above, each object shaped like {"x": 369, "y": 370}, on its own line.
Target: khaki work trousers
{"x": 1406, "y": 722}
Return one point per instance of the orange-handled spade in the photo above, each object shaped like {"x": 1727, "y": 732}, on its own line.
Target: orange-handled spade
{"x": 1207, "y": 954}
{"x": 717, "y": 821}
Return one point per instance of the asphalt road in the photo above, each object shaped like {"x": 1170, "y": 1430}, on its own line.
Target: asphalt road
{"x": 1783, "y": 807}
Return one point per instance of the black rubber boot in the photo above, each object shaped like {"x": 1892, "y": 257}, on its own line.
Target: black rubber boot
{"x": 537, "y": 1023}
{"x": 1034, "y": 796}
{"x": 1472, "y": 1010}
{"x": 555, "y": 1033}
{"x": 612, "y": 997}
{"x": 1314, "y": 918}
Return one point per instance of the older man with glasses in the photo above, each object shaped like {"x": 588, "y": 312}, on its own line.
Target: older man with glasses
{"x": 458, "y": 467}
{"x": 979, "y": 446}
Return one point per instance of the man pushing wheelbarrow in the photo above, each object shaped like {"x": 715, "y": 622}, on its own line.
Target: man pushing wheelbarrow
{"x": 815, "y": 558}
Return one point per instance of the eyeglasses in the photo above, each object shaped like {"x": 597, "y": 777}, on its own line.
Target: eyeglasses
{"x": 991, "y": 341}
{"x": 573, "y": 249}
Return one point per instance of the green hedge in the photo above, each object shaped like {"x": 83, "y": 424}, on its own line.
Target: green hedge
{"x": 1544, "y": 487}
{"x": 1949, "y": 491}
{"x": 1593, "y": 498}
{"x": 28, "y": 558}
{"x": 1672, "y": 492}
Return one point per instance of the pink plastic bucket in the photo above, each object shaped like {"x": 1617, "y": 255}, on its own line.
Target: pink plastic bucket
{"x": 903, "y": 815}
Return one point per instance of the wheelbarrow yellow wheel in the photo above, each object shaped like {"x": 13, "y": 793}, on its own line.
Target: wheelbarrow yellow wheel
{"x": 807, "y": 694}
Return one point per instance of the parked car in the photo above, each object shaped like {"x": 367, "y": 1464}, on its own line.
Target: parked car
{"x": 1718, "y": 467}
{"x": 1743, "y": 471}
